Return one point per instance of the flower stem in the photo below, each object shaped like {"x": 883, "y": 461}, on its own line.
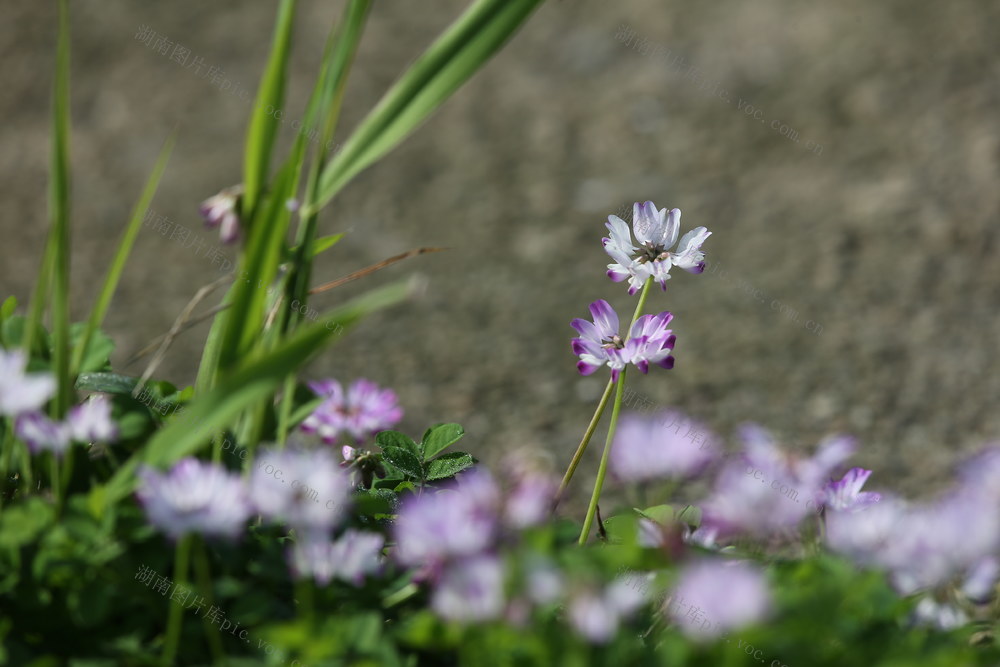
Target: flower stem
{"x": 181, "y": 557}
{"x": 602, "y": 470}
{"x": 202, "y": 571}
{"x": 578, "y": 456}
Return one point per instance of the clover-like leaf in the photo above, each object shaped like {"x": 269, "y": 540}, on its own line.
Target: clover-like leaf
{"x": 448, "y": 465}
{"x": 438, "y": 438}
{"x": 403, "y": 460}
{"x": 396, "y": 439}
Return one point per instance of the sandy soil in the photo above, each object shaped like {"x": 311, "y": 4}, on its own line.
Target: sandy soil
{"x": 845, "y": 155}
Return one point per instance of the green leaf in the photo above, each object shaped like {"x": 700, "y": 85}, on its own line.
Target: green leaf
{"x": 262, "y": 257}
{"x": 108, "y": 383}
{"x": 117, "y": 265}
{"x": 438, "y": 438}
{"x": 456, "y": 55}
{"x": 448, "y": 465}
{"x": 404, "y": 461}
{"x": 322, "y": 244}
{"x": 658, "y": 513}
{"x": 254, "y": 381}
{"x": 375, "y": 501}
{"x": 20, "y": 524}
{"x": 59, "y": 201}
{"x": 396, "y": 439}
{"x": 97, "y": 356}
{"x": 8, "y": 307}
{"x": 263, "y": 126}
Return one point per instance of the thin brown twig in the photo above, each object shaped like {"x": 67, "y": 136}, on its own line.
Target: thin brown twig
{"x": 175, "y": 330}
{"x": 371, "y": 269}
{"x": 193, "y": 322}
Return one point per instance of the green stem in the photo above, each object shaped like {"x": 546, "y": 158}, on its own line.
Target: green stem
{"x": 205, "y": 586}
{"x": 56, "y": 487}
{"x": 578, "y": 456}
{"x": 6, "y": 449}
{"x": 304, "y": 593}
{"x": 182, "y": 555}
{"x": 603, "y": 469}
{"x": 404, "y": 593}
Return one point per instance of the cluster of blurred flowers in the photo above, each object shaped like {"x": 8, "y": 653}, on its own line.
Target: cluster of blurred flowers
{"x": 22, "y": 397}
{"x": 304, "y": 489}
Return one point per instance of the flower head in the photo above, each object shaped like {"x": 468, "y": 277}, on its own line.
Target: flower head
{"x": 846, "y": 495}
{"x": 305, "y": 488}
{"x": 730, "y": 595}
{"x": 600, "y": 344}
{"x": 768, "y": 491}
{"x": 655, "y": 233}
{"x": 19, "y": 392}
{"x": 596, "y": 615}
{"x": 450, "y": 523}
{"x": 194, "y": 497}
{"x": 42, "y": 434}
{"x": 222, "y": 211}
{"x": 350, "y": 558}
{"x": 532, "y": 490}
{"x": 471, "y": 590}
{"x": 91, "y": 421}
{"x": 644, "y": 449}
{"x": 362, "y": 411}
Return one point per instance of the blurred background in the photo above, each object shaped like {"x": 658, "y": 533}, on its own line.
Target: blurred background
{"x": 846, "y": 157}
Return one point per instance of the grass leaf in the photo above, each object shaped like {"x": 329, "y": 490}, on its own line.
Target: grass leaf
{"x": 255, "y": 380}
{"x": 463, "y": 48}
{"x": 263, "y": 126}
{"x": 121, "y": 255}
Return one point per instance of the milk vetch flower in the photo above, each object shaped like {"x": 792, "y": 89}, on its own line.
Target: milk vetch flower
{"x": 655, "y": 233}
{"x": 600, "y": 344}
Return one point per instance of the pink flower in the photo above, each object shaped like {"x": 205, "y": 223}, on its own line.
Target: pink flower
{"x": 194, "y": 497}
{"x": 450, "y": 523}
{"x": 20, "y": 392}
{"x": 222, "y": 211}
{"x": 599, "y": 343}
{"x": 713, "y": 596}
{"x": 470, "y": 590}
{"x": 91, "y": 421}
{"x": 846, "y": 495}
{"x": 644, "y": 449}
{"x": 356, "y": 554}
{"x": 362, "y": 411}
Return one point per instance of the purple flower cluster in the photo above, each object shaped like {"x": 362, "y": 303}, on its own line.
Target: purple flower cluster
{"x": 719, "y": 596}
{"x": 747, "y": 504}
{"x": 953, "y": 540}
{"x": 644, "y": 450}
{"x": 311, "y": 495}
{"x": 223, "y": 211}
{"x": 649, "y": 341}
{"x": 451, "y": 537}
{"x": 20, "y": 392}
{"x": 360, "y": 412}
{"x": 88, "y": 422}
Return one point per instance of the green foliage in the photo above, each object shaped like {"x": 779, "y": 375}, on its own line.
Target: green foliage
{"x": 419, "y": 463}
{"x": 463, "y": 48}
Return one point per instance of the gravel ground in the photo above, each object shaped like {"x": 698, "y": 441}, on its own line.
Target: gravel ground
{"x": 845, "y": 155}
